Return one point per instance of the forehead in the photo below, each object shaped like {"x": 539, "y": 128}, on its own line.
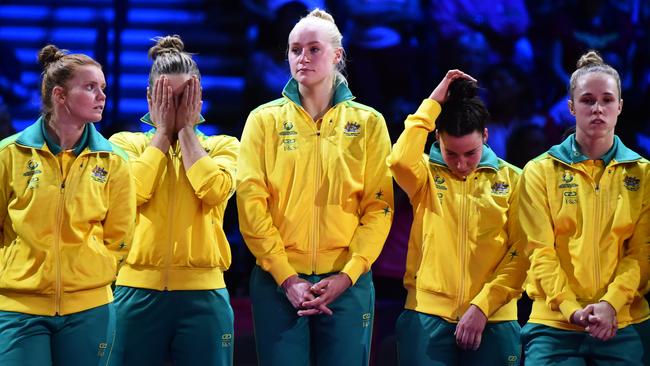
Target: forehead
{"x": 307, "y": 32}
{"x": 88, "y": 73}
{"x": 177, "y": 81}
{"x": 461, "y": 144}
{"x": 596, "y": 83}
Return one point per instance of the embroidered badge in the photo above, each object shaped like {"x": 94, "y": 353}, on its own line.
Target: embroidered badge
{"x": 98, "y": 174}
{"x": 226, "y": 340}
{"x": 289, "y": 144}
{"x": 440, "y": 181}
{"x": 500, "y": 188}
{"x": 567, "y": 178}
{"x": 287, "y": 129}
{"x": 352, "y": 129}
{"x": 570, "y": 197}
{"x": 631, "y": 183}
{"x": 32, "y": 168}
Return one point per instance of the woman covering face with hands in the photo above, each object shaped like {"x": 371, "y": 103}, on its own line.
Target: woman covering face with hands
{"x": 170, "y": 294}
{"x": 465, "y": 264}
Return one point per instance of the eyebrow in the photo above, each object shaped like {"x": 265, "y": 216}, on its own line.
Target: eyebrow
{"x": 308, "y": 43}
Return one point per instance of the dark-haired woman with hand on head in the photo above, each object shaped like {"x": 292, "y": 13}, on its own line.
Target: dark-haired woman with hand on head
{"x": 67, "y": 204}
{"x": 465, "y": 264}
{"x": 585, "y": 209}
{"x": 171, "y": 297}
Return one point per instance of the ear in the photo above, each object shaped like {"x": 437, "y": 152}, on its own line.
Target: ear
{"x": 58, "y": 94}
{"x": 437, "y": 135}
{"x": 620, "y": 106}
{"x": 338, "y": 55}
{"x": 485, "y": 135}
{"x": 571, "y": 108}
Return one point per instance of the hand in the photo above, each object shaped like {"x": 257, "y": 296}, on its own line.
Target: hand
{"x": 189, "y": 106}
{"x": 326, "y": 291}
{"x": 602, "y": 323}
{"x": 161, "y": 106}
{"x": 581, "y": 317}
{"x": 439, "y": 94}
{"x": 469, "y": 329}
{"x": 297, "y": 291}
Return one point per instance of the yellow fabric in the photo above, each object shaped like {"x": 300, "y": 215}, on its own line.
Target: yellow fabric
{"x": 314, "y": 201}
{"x": 179, "y": 242}
{"x": 464, "y": 246}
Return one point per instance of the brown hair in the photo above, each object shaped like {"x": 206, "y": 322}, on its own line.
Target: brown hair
{"x": 592, "y": 62}
{"x": 58, "y": 67}
{"x": 169, "y": 58}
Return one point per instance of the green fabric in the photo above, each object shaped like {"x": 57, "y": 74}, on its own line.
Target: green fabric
{"x": 424, "y": 339}
{"x": 643, "y": 331}
{"x": 79, "y": 339}
{"x": 196, "y": 326}
{"x": 147, "y": 119}
{"x": 341, "y": 94}
{"x": 56, "y": 148}
{"x": 35, "y": 136}
{"x": 544, "y": 345}
{"x": 488, "y": 158}
{"x": 284, "y": 338}
{"x": 569, "y": 152}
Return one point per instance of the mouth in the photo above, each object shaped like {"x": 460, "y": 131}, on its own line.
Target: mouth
{"x": 597, "y": 121}
{"x": 99, "y": 108}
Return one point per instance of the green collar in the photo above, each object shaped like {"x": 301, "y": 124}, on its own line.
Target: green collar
{"x": 488, "y": 158}
{"x": 569, "y": 152}
{"x": 35, "y": 136}
{"x": 147, "y": 119}
{"x": 341, "y": 94}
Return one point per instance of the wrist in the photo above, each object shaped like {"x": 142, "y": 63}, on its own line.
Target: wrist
{"x": 289, "y": 281}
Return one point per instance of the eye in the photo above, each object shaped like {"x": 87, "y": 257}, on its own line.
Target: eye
{"x": 295, "y": 50}
{"x": 314, "y": 49}
{"x": 588, "y": 100}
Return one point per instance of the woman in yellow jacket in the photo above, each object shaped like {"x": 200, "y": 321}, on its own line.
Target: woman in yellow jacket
{"x": 465, "y": 265}
{"x": 66, "y": 208}
{"x": 315, "y": 206}
{"x": 585, "y": 209}
{"x": 170, "y": 295}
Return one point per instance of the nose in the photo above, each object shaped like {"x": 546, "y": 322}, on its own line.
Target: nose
{"x": 303, "y": 56}
{"x": 101, "y": 95}
{"x": 598, "y": 108}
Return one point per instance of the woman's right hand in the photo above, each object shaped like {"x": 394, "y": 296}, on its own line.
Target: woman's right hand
{"x": 298, "y": 291}
{"x": 162, "y": 109}
{"x": 439, "y": 94}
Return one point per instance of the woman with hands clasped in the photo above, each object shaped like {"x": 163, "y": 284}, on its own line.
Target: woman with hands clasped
{"x": 585, "y": 209}
{"x": 465, "y": 264}
{"x": 315, "y": 207}
{"x": 171, "y": 296}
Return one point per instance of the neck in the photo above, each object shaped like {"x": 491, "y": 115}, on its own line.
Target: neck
{"x": 317, "y": 99}
{"x": 594, "y": 148}
{"x": 64, "y": 134}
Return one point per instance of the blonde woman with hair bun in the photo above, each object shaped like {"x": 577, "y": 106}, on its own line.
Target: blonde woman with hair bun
{"x": 67, "y": 204}
{"x": 171, "y": 297}
{"x": 585, "y": 209}
{"x": 315, "y": 203}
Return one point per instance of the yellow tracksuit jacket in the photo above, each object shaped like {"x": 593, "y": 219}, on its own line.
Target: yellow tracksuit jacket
{"x": 465, "y": 247}
{"x": 62, "y": 228}
{"x": 179, "y": 242}
{"x": 314, "y": 200}
{"x": 588, "y": 228}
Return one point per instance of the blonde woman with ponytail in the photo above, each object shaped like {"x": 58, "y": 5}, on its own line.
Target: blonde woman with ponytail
{"x": 315, "y": 204}
{"x": 585, "y": 209}
{"x": 67, "y": 204}
{"x": 171, "y": 297}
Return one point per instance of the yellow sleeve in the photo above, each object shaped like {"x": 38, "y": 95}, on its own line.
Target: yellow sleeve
{"x": 4, "y": 200}
{"x": 376, "y": 206}
{"x": 632, "y": 269}
{"x": 508, "y": 279}
{"x": 120, "y": 217}
{"x": 255, "y": 222}
{"x": 537, "y": 224}
{"x": 405, "y": 161}
{"x": 147, "y": 167}
{"x": 213, "y": 177}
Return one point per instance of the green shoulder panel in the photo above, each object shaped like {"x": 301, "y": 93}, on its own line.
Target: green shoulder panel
{"x": 364, "y": 107}
{"x": 505, "y": 164}
{"x": 119, "y": 152}
{"x": 8, "y": 141}
{"x": 273, "y": 103}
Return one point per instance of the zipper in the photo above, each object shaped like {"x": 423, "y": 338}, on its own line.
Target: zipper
{"x": 596, "y": 246}
{"x": 317, "y": 174}
{"x": 462, "y": 242}
{"x": 57, "y": 248}
{"x": 175, "y": 158}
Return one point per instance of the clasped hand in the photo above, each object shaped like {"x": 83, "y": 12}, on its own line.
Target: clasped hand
{"x": 172, "y": 110}
{"x": 598, "y": 319}
{"x": 313, "y": 299}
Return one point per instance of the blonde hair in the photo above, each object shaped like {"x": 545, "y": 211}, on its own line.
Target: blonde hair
{"x": 58, "y": 67}
{"x": 324, "y": 20}
{"x": 591, "y": 62}
{"x": 169, "y": 57}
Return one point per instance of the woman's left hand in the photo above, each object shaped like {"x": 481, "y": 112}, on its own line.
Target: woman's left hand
{"x": 326, "y": 291}
{"x": 602, "y": 320}
{"x": 189, "y": 108}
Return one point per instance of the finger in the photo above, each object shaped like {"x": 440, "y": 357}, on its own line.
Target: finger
{"x": 165, "y": 94}
{"x": 314, "y": 303}
{"x": 325, "y": 310}
{"x": 319, "y": 287}
{"x": 308, "y": 312}
{"x": 477, "y": 341}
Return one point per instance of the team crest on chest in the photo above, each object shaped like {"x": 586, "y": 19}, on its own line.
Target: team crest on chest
{"x": 352, "y": 129}
{"x": 439, "y": 181}
{"x": 631, "y": 183}
{"x": 500, "y": 188}
{"x": 98, "y": 174}
{"x": 567, "y": 179}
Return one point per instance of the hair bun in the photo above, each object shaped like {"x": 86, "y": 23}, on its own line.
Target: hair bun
{"x": 50, "y": 54}
{"x": 461, "y": 89}
{"x": 166, "y": 44}
{"x": 321, "y": 14}
{"x": 591, "y": 58}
